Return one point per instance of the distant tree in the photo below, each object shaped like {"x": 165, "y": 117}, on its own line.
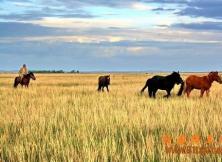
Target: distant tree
{"x": 48, "y": 71}
{"x": 54, "y": 71}
{"x": 74, "y": 71}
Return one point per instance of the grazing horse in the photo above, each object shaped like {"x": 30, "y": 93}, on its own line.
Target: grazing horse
{"x": 103, "y": 81}
{"x": 24, "y": 81}
{"x": 162, "y": 82}
{"x": 202, "y": 83}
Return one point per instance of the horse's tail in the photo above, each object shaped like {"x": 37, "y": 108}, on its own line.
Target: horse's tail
{"x": 15, "y": 82}
{"x": 99, "y": 88}
{"x": 146, "y": 85}
{"x": 180, "y": 92}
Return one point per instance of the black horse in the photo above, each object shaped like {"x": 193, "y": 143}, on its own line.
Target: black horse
{"x": 25, "y": 80}
{"x": 103, "y": 81}
{"x": 162, "y": 82}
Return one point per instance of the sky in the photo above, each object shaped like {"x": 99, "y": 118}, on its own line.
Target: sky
{"x": 114, "y": 35}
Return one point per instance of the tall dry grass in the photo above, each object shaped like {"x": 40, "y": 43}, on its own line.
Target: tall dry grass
{"x": 63, "y": 118}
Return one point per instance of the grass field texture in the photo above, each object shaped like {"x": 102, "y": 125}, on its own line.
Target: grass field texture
{"x": 61, "y": 117}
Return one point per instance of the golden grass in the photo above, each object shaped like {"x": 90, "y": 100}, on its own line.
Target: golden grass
{"x": 62, "y": 117}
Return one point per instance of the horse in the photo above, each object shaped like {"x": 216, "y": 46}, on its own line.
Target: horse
{"x": 201, "y": 83}
{"x": 163, "y": 83}
{"x": 103, "y": 81}
{"x": 25, "y": 80}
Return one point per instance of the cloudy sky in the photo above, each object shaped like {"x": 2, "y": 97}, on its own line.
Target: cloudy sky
{"x": 114, "y": 35}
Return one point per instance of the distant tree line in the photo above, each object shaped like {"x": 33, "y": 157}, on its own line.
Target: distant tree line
{"x": 55, "y": 71}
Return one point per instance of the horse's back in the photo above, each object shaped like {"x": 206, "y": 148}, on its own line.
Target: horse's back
{"x": 196, "y": 81}
{"x": 194, "y": 78}
{"x": 157, "y": 82}
{"x": 158, "y": 78}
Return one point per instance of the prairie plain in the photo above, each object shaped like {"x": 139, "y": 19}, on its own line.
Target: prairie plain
{"x": 62, "y": 117}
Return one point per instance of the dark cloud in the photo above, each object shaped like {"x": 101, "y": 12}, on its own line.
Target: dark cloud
{"x": 201, "y": 26}
{"x": 80, "y": 3}
{"x": 46, "y": 12}
{"x": 7, "y": 29}
{"x": 163, "y": 26}
{"x": 194, "y": 8}
{"x": 205, "y": 8}
{"x": 39, "y": 16}
{"x": 111, "y": 3}
{"x": 163, "y": 9}
{"x": 16, "y": 0}
{"x": 20, "y": 17}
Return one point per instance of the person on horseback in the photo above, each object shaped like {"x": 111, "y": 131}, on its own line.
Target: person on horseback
{"x": 23, "y": 71}
{"x": 24, "y": 77}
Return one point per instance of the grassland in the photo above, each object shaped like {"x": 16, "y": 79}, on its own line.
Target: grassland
{"x": 62, "y": 117}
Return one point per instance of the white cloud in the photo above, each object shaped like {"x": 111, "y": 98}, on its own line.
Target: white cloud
{"x": 112, "y": 51}
{"x": 160, "y": 35}
{"x": 138, "y": 51}
{"x": 83, "y": 23}
{"x": 135, "y": 49}
{"x": 141, "y": 6}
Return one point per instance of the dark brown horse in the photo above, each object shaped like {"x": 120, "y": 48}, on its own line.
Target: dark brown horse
{"x": 24, "y": 81}
{"x": 202, "y": 83}
{"x": 103, "y": 81}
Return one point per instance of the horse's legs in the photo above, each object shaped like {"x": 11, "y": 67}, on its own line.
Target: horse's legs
{"x": 208, "y": 92}
{"x": 107, "y": 88}
{"x": 150, "y": 92}
{"x": 154, "y": 93}
{"x": 103, "y": 89}
{"x": 188, "y": 90}
{"x": 168, "y": 93}
{"x": 99, "y": 88}
{"x": 202, "y": 92}
{"x": 16, "y": 84}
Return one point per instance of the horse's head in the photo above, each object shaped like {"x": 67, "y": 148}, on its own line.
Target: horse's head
{"x": 32, "y": 76}
{"x": 177, "y": 78}
{"x": 108, "y": 79}
{"x": 214, "y": 76}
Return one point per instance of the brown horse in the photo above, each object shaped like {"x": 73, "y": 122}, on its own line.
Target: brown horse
{"x": 202, "y": 83}
{"x": 24, "y": 81}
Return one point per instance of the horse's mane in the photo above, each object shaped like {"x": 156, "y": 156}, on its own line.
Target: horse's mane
{"x": 173, "y": 75}
{"x": 28, "y": 75}
{"x": 211, "y": 75}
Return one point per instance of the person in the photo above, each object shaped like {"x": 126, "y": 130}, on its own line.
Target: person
{"x": 23, "y": 71}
